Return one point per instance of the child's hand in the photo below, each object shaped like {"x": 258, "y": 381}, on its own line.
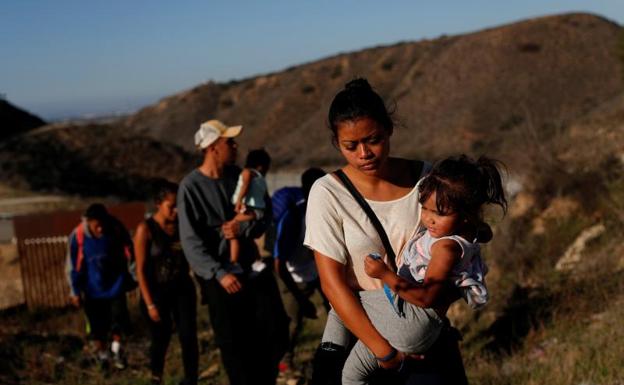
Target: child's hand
{"x": 239, "y": 207}
{"x": 375, "y": 268}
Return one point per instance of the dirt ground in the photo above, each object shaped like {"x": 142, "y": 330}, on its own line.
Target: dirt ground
{"x": 11, "y": 292}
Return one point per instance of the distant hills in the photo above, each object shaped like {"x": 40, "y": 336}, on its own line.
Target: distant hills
{"x": 14, "y": 120}
{"x": 490, "y": 91}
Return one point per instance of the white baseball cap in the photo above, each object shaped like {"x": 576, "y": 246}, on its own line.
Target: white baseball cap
{"x": 212, "y": 130}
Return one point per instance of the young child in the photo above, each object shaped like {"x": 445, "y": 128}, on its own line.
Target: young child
{"x": 249, "y": 196}
{"x": 452, "y": 196}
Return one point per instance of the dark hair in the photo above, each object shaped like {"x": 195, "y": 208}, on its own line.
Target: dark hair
{"x": 257, "y": 158}
{"x": 464, "y": 185}
{"x": 308, "y": 178}
{"x": 96, "y": 211}
{"x": 161, "y": 188}
{"x": 358, "y": 100}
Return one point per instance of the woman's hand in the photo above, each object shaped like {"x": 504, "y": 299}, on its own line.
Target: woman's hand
{"x": 399, "y": 359}
{"x": 393, "y": 363}
{"x": 152, "y": 310}
{"x": 375, "y": 268}
{"x": 74, "y": 300}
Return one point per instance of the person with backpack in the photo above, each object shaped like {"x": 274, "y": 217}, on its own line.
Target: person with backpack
{"x": 167, "y": 290}
{"x": 100, "y": 250}
{"x": 294, "y": 263}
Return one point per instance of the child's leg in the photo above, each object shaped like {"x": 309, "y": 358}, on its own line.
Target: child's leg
{"x": 234, "y": 250}
{"x": 412, "y": 332}
{"x": 359, "y": 365}
{"x": 247, "y": 215}
{"x": 335, "y": 331}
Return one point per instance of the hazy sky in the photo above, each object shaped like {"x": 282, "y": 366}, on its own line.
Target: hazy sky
{"x": 64, "y": 57}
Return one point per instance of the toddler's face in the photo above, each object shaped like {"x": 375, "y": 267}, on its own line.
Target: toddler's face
{"x": 438, "y": 224}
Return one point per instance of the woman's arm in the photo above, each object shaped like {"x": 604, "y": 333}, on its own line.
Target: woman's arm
{"x": 346, "y": 304}
{"x": 141, "y": 238}
{"x": 431, "y": 293}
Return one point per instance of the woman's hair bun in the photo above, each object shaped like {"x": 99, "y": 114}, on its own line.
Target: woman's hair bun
{"x": 358, "y": 100}
{"x": 358, "y": 84}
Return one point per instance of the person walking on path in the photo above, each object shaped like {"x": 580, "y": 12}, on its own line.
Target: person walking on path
{"x": 341, "y": 234}
{"x": 100, "y": 250}
{"x": 295, "y": 265}
{"x": 246, "y": 312}
{"x": 167, "y": 291}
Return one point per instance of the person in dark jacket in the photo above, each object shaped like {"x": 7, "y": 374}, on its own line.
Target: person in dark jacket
{"x": 167, "y": 290}
{"x": 100, "y": 249}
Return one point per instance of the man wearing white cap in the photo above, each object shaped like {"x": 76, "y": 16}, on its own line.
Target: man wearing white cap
{"x": 237, "y": 304}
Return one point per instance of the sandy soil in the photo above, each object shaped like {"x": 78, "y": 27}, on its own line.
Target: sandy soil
{"x": 10, "y": 278}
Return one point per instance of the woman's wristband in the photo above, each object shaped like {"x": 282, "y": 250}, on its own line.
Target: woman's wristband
{"x": 393, "y": 353}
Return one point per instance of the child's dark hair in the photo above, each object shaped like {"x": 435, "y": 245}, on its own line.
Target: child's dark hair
{"x": 463, "y": 185}
{"x": 161, "y": 188}
{"x": 358, "y": 100}
{"x": 257, "y": 158}
{"x": 96, "y": 211}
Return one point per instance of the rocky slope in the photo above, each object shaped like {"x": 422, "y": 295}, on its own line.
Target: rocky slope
{"x": 472, "y": 92}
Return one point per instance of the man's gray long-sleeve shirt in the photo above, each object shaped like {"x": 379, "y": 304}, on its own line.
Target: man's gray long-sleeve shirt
{"x": 204, "y": 204}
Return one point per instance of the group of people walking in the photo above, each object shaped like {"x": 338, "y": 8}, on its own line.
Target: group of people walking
{"x": 391, "y": 242}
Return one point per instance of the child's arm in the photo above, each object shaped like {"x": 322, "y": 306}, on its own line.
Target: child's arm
{"x": 444, "y": 254}
{"x": 246, "y": 177}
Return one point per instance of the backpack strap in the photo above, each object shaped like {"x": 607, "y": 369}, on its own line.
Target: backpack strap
{"x": 79, "y": 231}
{"x": 371, "y": 215}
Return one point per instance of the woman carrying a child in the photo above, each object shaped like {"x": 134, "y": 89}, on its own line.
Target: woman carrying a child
{"x": 341, "y": 235}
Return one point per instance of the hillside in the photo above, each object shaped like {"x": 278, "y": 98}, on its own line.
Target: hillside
{"x": 90, "y": 160}
{"x": 479, "y": 93}
{"x": 14, "y": 120}
{"x": 470, "y": 92}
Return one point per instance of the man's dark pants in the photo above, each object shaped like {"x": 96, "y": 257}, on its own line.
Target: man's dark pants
{"x": 250, "y": 327}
